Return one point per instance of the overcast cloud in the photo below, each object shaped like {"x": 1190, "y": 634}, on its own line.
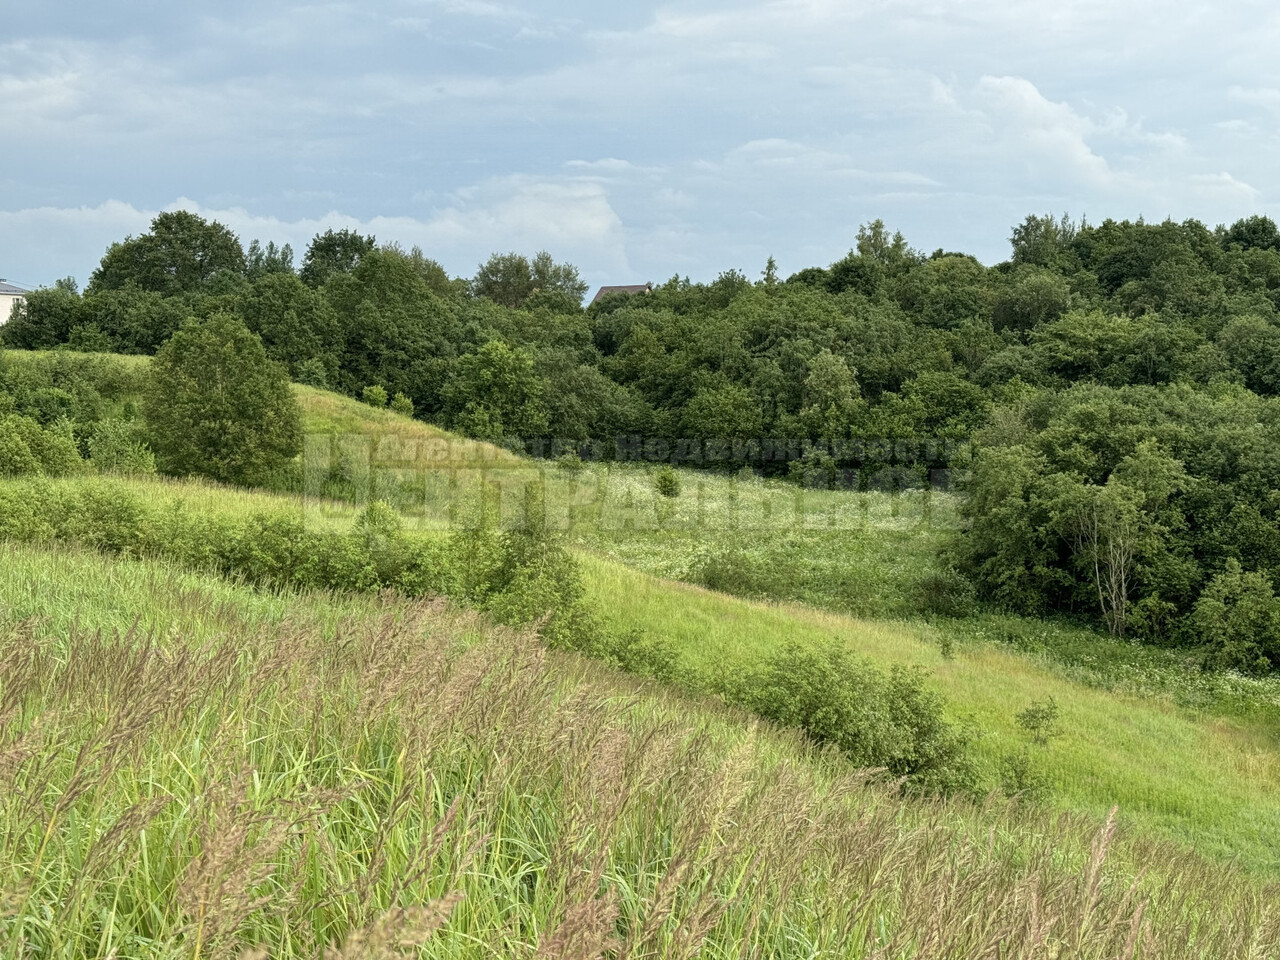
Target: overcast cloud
{"x": 638, "y": 142}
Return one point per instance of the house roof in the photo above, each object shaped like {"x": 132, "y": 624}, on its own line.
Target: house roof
{"x": 628, "y": 288}
{"x": 9, "y": 288}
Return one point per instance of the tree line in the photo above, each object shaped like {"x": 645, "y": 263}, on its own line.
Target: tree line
{"x": 1109, "y": 390}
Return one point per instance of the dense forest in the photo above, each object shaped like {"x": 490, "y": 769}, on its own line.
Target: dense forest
{"x": 1105, "y": 400}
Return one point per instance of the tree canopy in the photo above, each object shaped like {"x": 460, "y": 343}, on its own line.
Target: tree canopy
{"x": 181, "y": 254}
{"x": 217, "y": 406}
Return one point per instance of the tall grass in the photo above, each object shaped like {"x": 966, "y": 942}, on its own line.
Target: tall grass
{"x": 1206, "y": 781}
{"x": 420, "y": 783}
{"x": 1205, "y": 773}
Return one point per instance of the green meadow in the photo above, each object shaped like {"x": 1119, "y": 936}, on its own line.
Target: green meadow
{"x": 1185, "y": 756}
{"x": 368, "y": 750}
{"x": 195, "y": 767}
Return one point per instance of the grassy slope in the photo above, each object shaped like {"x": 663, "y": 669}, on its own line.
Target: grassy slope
{"x": 562, "y": 788}
{"x": 332, "y": 413}
{"x": 1208, "y": 781}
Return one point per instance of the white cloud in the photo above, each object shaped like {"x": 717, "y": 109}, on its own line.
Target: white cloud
{"x": 779, "y": 157}
{"x": 1223, "y": 186}
{"x": 479, "y": 8}
{"x": 1044, "y": 132}
{"x": 1266, "y": 97}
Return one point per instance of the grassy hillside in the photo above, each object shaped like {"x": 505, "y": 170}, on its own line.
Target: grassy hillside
{"x": 1206, "y": 781}
{"x": 325, "y": 412}
{"x": 290, "y": 772}
{"x": 1187, "y": 756}
{"x": 1209, "y": 782}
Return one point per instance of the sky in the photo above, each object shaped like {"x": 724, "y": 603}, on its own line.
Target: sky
{"x": 637, "y": 140}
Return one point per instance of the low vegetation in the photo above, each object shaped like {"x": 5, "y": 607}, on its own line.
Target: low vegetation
{"x": 520, "y": 576}
{"x": 288, "y": 774}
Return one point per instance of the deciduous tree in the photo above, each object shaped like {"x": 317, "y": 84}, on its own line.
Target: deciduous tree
{"x": 217, "y": 406}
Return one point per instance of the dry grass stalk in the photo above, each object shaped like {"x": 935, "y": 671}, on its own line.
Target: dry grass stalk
{"x": 397, "y": 932}
{"x": 311, "y": 784}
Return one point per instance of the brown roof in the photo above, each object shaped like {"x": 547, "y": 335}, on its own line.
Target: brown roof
{"x": 629, "y": 288}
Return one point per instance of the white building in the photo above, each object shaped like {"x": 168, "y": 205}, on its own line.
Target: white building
{"x": 9, "y": 295}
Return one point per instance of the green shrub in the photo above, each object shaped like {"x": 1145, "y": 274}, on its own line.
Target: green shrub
{"x": 217, "y": 407}
{"x": 269, "y": 549}
{"x": 570, "y": 462}
{"x": 1040, "y": 720}
{"x": 47, "y": 405}
{"x": 402, "y": 405}
{"x": 313, "y": 373}
{"x": 1020, "y": 776}
{"x": 666, "y": 481}
{"x": 427, "y": 570}
{"x": 117, "y": 446}
{"x": 1154, "y": 619}
{"x": 16, "y": 458}
{"x": 639, "y": 652}
{"x": 88, "y": 338}
{"x": 203, "y": 541}
{"x": 1238, "y": 619}
{"x": 99, "y": 516}
{"x": 773, "y": 573}
{"x": 537, "y": 579}
{"x": 108, "y": 376}
{"x": 816, "y": 469}
{"x": 945, "y": 593}
{"x": 55, "y": 448}
{"x": 878, "y": 720}
{"x": 24, "y": 513}
{"x": 380, "y": 534}
{"x": 730, "y": 569}
{"x": 374, "y": 396}
{"x": 26, "y": 447}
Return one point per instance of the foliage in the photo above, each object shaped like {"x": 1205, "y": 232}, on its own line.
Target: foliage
{"x": 1238, "y": 617}
{"x": 515, "y": 281}
{"x": 261, "y": 261}
{"x": 496, "y": 393}
{"x": 945, "y": 592}
{"x": 181, "y": 254}
{"x": 16, "y": 457}
{"x": 333, "y": 252}
{"x": 296, "y": 324}
{"x": 375, "y": 396}
{"x": 1126, "y": 503}
{"x": 119, "y": 446}
{"x": 891, "y": 721}
{"x": 402, "y": 405}
{"x": 216, "y": 406}
{"x": 666, "y": 481}
{"x": 1040, "y": 720}
{"x": 27, "y": 447}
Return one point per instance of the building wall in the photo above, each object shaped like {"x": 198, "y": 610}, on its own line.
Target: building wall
{"x": 7, "y": 300}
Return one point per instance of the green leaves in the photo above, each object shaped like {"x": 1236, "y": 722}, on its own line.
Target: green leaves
{"x": 182, "y": 254}
{"x": 216, "y": 406}
{"x": 1238, "y": 617}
